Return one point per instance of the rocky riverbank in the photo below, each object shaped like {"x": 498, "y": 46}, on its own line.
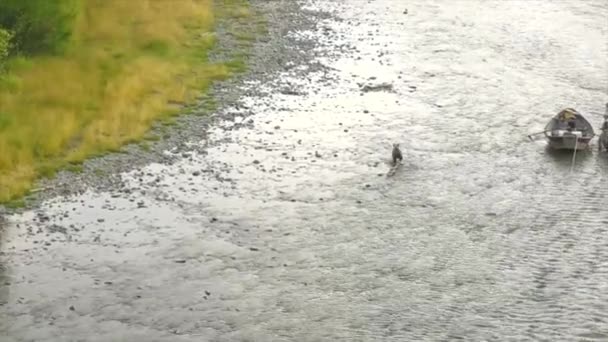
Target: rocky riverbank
{"x": 263, "y": 41}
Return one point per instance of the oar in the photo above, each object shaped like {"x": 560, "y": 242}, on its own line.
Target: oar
{"x": 574, "y": 154}
{"x": 530, "y": 135}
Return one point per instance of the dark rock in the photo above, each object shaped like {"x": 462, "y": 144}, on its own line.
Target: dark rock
{"x": 57, "y": 229}
{"x": 290, "y": 92}
{"x": 377, "y": 87}
{"x": 181, "y": 261}
{"x": 253, "y": 249}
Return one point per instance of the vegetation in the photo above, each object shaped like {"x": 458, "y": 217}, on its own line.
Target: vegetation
{"x": 5, "y": 38}
{"x": 39, "y": 26}
{"x": 83, "y": 77}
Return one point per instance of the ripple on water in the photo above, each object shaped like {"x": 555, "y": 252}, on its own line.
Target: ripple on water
{"x": 480, "y": 235}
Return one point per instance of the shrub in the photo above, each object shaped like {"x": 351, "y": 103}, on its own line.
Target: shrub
{"x": 39, "y": 26}
{"x": 5, "y": 38}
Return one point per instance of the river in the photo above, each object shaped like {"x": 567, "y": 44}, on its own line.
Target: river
{"x": 288, "y": 229}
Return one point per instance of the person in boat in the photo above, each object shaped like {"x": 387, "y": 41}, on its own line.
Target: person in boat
{"x": 571, "y": 124}
{"x": 603, "y": 141}
{"x": 567, "y": 115}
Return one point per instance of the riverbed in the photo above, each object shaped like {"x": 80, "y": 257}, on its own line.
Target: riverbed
{"x": 280, "y": 223}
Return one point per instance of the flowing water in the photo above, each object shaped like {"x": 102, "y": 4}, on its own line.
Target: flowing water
{"x": 481, "y": 235}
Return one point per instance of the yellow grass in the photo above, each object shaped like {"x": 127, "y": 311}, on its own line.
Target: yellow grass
{"x": 128, "y": 59}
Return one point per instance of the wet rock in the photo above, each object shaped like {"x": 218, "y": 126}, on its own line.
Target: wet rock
{"x": 377, "y": 87}
{"x": 290, "y": 92}
{"x": 43, "y": 217}
{"x": 57, "y": 229}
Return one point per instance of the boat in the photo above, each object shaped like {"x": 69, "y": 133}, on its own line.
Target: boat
{"x": 569, "y": 130}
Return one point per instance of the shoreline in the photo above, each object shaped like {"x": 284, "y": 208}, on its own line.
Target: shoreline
{"x": 264, "y": 58}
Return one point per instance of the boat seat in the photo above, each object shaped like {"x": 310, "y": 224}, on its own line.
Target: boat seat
{"x": 562, "y": 132}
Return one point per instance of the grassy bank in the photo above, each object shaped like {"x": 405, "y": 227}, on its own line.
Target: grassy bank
{"x": 111, "y": 70}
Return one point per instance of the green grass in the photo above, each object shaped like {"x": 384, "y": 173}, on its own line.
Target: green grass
{"x": 102, "y": 74}
{"x": 15, "y": 203}
{"x": 237, "y": 65}
{"x": 76, "y": 168}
